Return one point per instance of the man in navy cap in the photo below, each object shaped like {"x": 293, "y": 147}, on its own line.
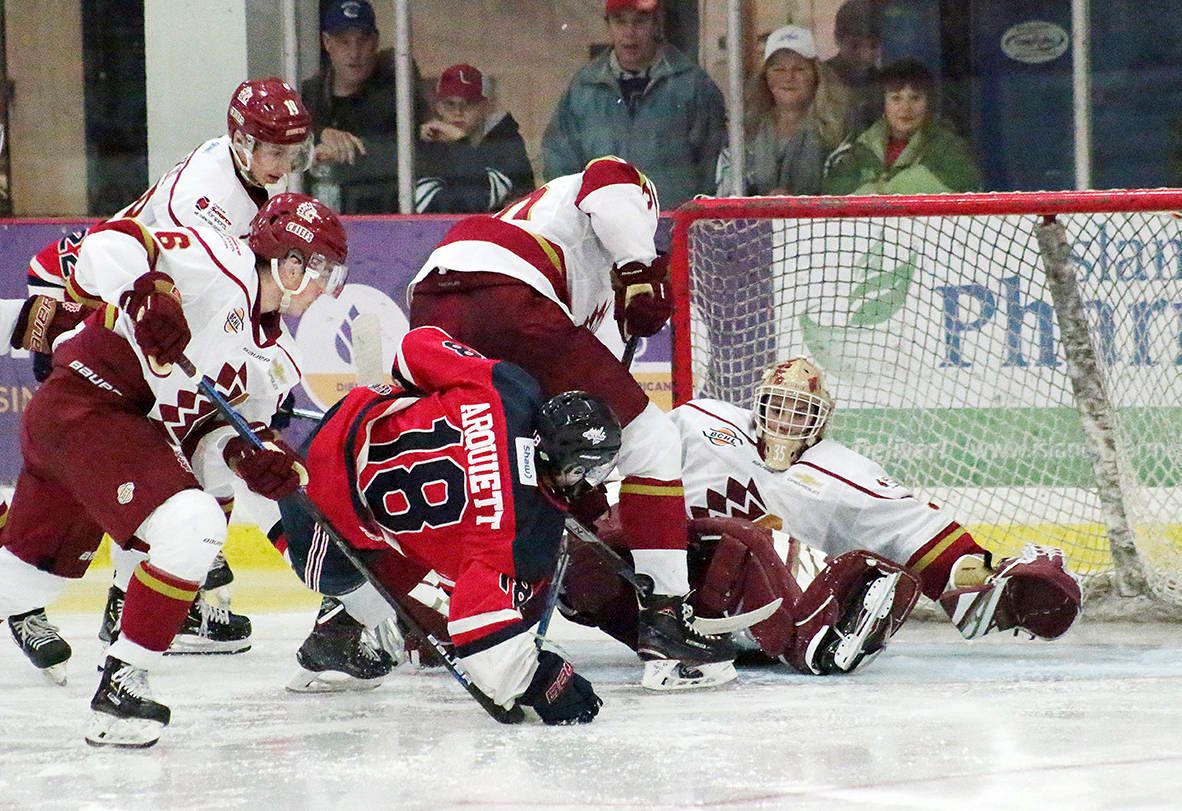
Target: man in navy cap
{"x": 353, "y": 108}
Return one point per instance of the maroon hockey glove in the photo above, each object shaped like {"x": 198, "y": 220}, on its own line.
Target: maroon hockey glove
{"x": 273, "y": 471}
{"x": 642, "y": 304}
{"x": 588, "y": 504}
{"x": 154, "y": 304}
{"x": 559, "y": 694}
{"x": 42, "y": 319}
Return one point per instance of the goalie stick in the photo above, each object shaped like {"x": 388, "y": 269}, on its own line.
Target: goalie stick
{"x": 302, "y": 502}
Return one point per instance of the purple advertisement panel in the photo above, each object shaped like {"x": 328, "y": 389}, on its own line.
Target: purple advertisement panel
{"x": 384, "y": 254}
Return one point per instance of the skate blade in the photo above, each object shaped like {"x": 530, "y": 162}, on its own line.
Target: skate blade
{"x": 56, "y": 674}
{"x": 124, "y": 733}
{"x": 197, "y": 645}
{"x": 671, "y": 674}
{"x": 876, "y": 606}
{"x": 329, "y": 681}
{"x": 973, "y": 615}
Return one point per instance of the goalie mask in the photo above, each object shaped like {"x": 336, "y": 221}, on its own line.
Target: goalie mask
{"x": 296, "y": 224}
{"x": 792, "y": 409}
{"x": 578, "y": 441}
{"x": 269, "y": 113}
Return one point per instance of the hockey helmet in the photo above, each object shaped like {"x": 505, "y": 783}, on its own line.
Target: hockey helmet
{"x": 269, "y": 111}
{"x": 792, "y": 409}
{"x": 296, "y": 223}
{"x": 578, "y": 440}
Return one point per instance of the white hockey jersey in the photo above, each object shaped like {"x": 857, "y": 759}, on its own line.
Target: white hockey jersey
{"x": 832, "y": 498}
{"x": 202, "y": 190}
{"x": 251, "y": 358}
{"x": 562, "y": 239}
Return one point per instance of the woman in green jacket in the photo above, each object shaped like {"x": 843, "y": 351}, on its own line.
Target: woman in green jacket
{"x": 907, "y": 151}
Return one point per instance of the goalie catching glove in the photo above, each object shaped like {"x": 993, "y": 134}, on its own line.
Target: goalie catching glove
{"x": 161, "y": 330}
{"x": 642, "y": 303}
{"x": 558, "y": 694}
{"x": 273, "y": 471}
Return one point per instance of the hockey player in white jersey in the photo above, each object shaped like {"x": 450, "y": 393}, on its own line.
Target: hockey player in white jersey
{"x": 531, "y": 285}
{"x": 119, "y": 440}
{"x": 772, "y": 464}
{"x": 220, "y": 185}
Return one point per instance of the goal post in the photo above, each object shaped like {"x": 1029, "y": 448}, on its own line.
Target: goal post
{"x": 1015, "y": 357}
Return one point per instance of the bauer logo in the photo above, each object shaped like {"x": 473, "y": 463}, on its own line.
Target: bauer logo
{"x": 329, "y": 344}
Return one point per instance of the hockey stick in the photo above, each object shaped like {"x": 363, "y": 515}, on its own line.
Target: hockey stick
{"x": 563, "y": 551}
{"x": 302, "y": 502}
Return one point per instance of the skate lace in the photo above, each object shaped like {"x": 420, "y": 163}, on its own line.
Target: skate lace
{"x": 37, "y": 630}
{"x": 212, "y": 614}
{"x": 133, "y": 681}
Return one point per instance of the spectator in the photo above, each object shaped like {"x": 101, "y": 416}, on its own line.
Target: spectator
{"x": 468, "y": 160}
{"x": 785, "y": 153}
{"x": 643, "y": 101}
{"x": 354, "y": 112}
{"x": 849, "y": 79}
{"x": 908, "y": 150}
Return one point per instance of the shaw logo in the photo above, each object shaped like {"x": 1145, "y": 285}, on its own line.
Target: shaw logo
{"x": 722, "y": 436}
{"x": 235, "y": 320}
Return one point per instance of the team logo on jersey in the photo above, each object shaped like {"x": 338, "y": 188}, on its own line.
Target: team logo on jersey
{"x": 739, "y": 500}
{"x": 518, "y": 590}
{"x": 125, "y": 493}
{"x": 462, "y": 350}
{"x": 235, "y": 320}
{"x": 722, "y": 436}
{"x": 596, "y": 318}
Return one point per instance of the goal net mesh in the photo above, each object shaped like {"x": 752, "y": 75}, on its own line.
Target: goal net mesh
{"x": 939, "y": 336}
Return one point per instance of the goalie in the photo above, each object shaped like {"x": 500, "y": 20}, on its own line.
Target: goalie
{"x": 774, "y": 465}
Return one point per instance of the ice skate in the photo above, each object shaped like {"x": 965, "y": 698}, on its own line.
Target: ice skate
{"x": 124, "y": 712}
{"x": 677, "y": 655}
{"x": 211, "y": 629}
{"x": 109, "y": 630}
{"x": 863, "y": 632}
{"x": 336, "y": 656}
{"x": 216, "y": 588}
{"x": 41, "y": 643}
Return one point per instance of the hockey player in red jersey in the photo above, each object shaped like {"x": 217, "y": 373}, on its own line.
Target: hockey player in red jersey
{"x": 118, "y": 438}
{"x": 442, "y": 473}
{"x": 219, "y": 185}
{"x": 531, "y": 285}
{"x": 773, "y": 464}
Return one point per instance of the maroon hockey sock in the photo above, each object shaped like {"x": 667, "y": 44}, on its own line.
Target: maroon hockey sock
{"x": 932, "y": 563}
{"x": 155, "y": 607}
{"x": 652, "y": 513}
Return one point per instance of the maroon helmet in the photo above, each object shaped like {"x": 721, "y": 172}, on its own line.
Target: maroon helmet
{"x": 296, "y": 222}
{"x": 269, "y": 110}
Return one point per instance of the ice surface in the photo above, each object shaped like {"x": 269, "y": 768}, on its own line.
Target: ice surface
{"x": 1089, "y": 722}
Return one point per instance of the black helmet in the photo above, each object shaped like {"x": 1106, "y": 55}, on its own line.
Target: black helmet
{"x": 578, "y": 440}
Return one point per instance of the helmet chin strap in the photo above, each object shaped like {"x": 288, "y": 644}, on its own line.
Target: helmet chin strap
{"x": 288, "y": 294}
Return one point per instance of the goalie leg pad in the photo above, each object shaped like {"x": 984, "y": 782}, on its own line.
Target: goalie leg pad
{"x": 849, "y": 613}
{"x": 1033, "y": 593}
{"x": 735, "y": 567}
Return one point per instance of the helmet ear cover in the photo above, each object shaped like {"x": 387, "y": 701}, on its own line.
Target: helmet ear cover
{"x": 578, "y": 440}
{"x": 792, "y": 410}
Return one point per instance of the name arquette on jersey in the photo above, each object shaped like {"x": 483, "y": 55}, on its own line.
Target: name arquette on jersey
{"x": 484, "y": 463}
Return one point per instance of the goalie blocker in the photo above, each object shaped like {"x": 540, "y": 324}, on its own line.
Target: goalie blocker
{"x": 841, "y": 621}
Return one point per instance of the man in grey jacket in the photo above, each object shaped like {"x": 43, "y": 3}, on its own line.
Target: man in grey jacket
{"x": 643, "y": 101}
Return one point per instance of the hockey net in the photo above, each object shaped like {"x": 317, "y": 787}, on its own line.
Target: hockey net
{"x": 1013, "y": 357}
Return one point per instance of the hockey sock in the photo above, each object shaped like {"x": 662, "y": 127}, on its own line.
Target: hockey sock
{"x": 652, "y": 515}
{"x": 932, "y": 563}
{"x": 155, "y": 607}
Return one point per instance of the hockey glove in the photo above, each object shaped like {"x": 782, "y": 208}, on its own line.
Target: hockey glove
{"x": 273, "y": 471}
{"x": 559, "y": 694}
{"x": 642, "y": 303}
{"x": 160, "y": 326}
{"x": 42, "y": 319}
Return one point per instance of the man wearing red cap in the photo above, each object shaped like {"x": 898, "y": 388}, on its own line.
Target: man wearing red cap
{"x": 469, "y": 161}
{"x": 644, "y": 101}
